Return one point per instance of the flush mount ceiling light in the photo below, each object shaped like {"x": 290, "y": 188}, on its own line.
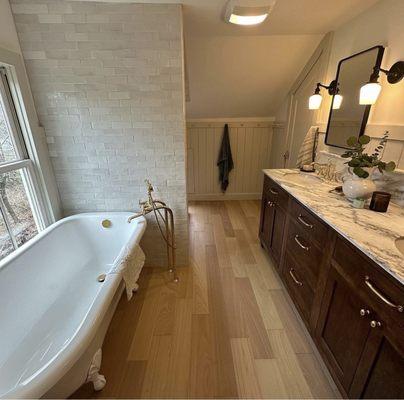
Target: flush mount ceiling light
{"x": 316, "y": 99}
{"x": 371, "y": 90}
{"x": 248, "y": 12}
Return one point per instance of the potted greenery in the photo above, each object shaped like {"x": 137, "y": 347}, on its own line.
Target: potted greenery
{"x": 359, "y": 183}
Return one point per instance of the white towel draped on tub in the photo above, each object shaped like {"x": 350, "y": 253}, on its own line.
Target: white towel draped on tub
{"x": 307, "y": 149}
{"x": 130, "y": 265}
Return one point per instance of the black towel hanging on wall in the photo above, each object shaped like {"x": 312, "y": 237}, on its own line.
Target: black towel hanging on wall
{"x": 225, "y": 160}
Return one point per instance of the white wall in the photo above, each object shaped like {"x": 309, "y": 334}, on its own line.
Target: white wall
{"x": 243, "y": 76}
{"x": 10, "y": 53}
{"x": 8, "y": 33}
{"x": 381, "y": 24}
{"x": 107, "y": 81}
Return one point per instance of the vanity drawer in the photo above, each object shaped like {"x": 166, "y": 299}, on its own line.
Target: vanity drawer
{"x": 304, "y": 251}
{"x": 275, "y": 193}
{"x": 367, "y": 278}
{"x": 314, "y": 227}
{"x": 295, "y": 278}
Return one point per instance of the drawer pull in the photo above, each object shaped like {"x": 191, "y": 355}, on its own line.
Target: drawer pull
{"x": 294, "y": 278}
{"x": 363, "y": 312}
{"x": 275, "y": 192}
{"x": 271, "y": 203}
{"x": 381, "y": 296}
{"x": 303, "y": 222}
{"x": 297, "y": 240}
{"x": 375, "y": 324}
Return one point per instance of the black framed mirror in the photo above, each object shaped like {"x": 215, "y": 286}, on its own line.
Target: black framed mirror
{"x": 350, "y": 118}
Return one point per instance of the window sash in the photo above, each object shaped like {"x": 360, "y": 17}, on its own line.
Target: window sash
{"x": 23, "y": 163}
{"x": 12, "y": 120}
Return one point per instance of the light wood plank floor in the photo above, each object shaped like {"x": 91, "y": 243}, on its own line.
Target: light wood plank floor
{"x": 227, "y": 330}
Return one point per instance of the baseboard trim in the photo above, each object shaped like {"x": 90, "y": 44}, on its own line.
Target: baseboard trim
{"x": 223, "y": 197}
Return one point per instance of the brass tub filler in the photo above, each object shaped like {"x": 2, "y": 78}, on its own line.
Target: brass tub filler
{"x": 161, "y": 213}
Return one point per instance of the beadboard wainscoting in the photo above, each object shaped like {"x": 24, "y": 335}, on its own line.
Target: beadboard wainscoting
{"x": 250, "y": 141}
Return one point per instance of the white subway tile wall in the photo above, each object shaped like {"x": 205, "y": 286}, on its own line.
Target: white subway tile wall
{"x": 107, "y": 81}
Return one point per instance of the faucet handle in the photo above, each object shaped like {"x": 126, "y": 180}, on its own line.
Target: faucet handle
{"x": 142, "y": 203}
{"x": 149, "y": 186}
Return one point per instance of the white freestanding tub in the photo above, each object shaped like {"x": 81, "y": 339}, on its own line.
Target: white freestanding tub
{"x": 54, "y": 313}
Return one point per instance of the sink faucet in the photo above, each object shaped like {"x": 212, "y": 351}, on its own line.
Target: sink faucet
{"x": 321, "y": 169}
{"x": 326, "y": 171}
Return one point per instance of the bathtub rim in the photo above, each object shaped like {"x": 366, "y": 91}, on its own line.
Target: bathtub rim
{"x": 65, "y": 359}
{"x": 45, "y": 232}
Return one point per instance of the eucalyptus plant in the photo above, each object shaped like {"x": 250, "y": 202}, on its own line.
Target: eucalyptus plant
{"x": 360, "y": 160}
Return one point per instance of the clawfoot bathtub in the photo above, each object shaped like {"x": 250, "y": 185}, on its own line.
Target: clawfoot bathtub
{"x": 54, "y": 309}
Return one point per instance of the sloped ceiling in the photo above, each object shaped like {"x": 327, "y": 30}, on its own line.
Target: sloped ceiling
{"x": 247, "y": 71}
{"x": 243, "y": 76}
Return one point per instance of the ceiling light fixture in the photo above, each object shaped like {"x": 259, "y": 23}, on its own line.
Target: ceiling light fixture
{"x": 371, "y": 90}
{"x": 248, "y": 12}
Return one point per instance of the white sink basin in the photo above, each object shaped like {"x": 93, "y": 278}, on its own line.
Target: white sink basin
{"x": 400, "y": 245}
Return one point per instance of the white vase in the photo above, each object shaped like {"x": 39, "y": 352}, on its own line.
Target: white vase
{"x": 358, "y": 188}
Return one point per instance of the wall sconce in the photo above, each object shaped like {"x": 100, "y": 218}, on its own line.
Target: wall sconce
{"x": 371, "y": 90}
{"x": 316, "y": 98}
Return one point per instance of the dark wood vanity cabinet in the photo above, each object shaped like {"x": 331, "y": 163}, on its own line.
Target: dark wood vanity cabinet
{"x": 364, "y": 353}
{"x": 380, "y": 373}
{"x": 348, "y": 302}
{"x": 273, "y": 219}
{"x": 342, "y": 331}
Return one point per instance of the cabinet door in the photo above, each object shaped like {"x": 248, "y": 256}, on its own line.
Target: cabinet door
{"x": 386, "y": 377}
{"x": 267, "y": 219}
{"x": 341, "y": 332}
{"x": 380, "y": 373}
{"x": 278, "y": 228}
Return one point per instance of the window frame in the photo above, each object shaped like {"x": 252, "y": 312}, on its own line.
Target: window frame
{"x": 26, "y": 157}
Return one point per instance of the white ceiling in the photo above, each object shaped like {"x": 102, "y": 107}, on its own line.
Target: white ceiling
{"x": 289, "y": 17}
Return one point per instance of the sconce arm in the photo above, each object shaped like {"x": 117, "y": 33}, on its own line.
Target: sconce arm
{"x": 332, "y": 87}
{"x": 394, "y": 75}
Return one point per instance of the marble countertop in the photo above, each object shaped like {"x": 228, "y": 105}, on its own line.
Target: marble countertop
{"x": 371, "y": 232}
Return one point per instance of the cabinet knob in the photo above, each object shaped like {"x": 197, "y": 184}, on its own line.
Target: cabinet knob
{"x": 375, "y": 324}
{"x": 271, "y": 203}
{"x": 363, "y": 312}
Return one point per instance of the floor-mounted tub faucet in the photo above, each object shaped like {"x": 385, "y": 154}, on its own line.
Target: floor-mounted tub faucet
{"x": 161, "y": 212}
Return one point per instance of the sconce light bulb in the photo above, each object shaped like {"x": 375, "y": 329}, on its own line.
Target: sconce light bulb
{"x": 369, "y": 93}
{"x": 337, "y": 102}
{"x": 315, "y": 101}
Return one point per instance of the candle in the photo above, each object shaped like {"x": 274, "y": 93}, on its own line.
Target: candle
{"x": 380, "y": 201}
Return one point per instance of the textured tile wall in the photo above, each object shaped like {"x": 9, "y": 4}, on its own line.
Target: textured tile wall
{"x": 107, "y": 81}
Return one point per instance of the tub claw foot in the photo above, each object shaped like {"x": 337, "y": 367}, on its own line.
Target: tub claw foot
{"x": 94, "y": 375}
{"x": 99, "y": 382}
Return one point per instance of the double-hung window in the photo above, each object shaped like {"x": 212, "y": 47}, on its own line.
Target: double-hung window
{"x": 20, "y": 211}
